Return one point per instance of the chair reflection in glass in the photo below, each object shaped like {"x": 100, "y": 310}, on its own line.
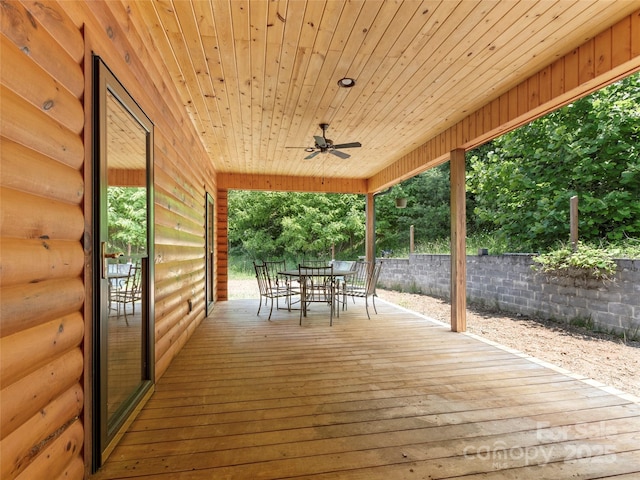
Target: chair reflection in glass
{"x": 128, "y": 290}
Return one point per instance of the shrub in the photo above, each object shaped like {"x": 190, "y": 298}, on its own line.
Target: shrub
{"x": 586, "y": 262}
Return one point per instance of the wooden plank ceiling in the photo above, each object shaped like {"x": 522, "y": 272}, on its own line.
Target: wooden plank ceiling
{"x": 258, "y": 77}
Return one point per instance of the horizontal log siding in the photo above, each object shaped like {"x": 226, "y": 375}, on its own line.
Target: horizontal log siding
{"x": 42, "y": 187}
{"x": 180, "y": 179}
{"x": 41, "y": 231}
{"x": 180, "y": 166}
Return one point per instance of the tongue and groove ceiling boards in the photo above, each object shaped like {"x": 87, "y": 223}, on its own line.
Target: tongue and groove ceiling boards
{"x": 258, "y": 77}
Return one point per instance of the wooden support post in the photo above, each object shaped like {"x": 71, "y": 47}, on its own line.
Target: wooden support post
{"x": 573, "y": 219}
{"x": 411, "y": 242}
{"x": 458, "y": 242}
{"x": 222, "y": 233}
{"x": 370, "y": 233}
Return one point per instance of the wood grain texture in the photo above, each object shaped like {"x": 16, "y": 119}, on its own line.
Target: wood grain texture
{"x": 229, "y": 87}
{"x": 25, "y": 31}
{"x": 22, "y": 445}
{"x": 23, "y": 398}
{"x": 597, "y": 62}
{"x": 457, "y": 162}
{"x": 257, "y": 78}
{"x": 56, "y": 458}
{"x": 22, "y": 169}
{"x": 397, "y": 396}
{"x": 48, "y": 340}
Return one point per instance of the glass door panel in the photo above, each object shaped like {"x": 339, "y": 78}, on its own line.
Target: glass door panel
{"x": 124, "y": 216}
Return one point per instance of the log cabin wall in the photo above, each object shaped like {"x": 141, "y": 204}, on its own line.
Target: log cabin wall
{"x": 46, "y": 236}
{"x": 42, "y": 257}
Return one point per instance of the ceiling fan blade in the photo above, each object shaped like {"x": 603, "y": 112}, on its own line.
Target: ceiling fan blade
{"x": 348, "y": 145}
{"x": 320, "y": 141}
{"x": 312, "y": 155}
{"x": 340, "y": 154}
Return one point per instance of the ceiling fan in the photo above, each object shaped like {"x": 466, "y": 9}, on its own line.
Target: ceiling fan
{"x": 326, "y": 145}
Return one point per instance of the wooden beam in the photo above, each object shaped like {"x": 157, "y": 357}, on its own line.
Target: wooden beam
{"x": 458, "y": 242}
{"x": 127, "y": 178}
{"x": 370, "y": 233}
{"x": 237, "y": 181}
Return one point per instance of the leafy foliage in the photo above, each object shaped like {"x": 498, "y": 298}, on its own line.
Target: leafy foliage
{"x": 523, "y": 180}
{"x": 127, "y": 214}
{"x": 295, "y": 225}
{"x": 586, "y": 262}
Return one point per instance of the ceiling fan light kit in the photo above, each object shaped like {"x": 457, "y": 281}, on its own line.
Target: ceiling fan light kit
{"x": 326, "y": 145}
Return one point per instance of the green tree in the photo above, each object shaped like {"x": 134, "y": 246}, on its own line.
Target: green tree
{"x": 523, "y": 181}
{"x": 428, "y": 210}
{"x": 295, "y": 225}
{"x": 428, "y": 197}
{"x": 127, "y": 212}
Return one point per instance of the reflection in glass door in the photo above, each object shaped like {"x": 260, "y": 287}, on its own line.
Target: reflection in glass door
{"x": 123, "y": 344}
{"x": 209, "y": 253}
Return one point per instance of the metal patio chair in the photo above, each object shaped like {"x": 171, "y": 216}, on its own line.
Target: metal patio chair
{"x": 268, "y": 289}
{"x": 362, "y": 284}
{"x": 317, "y": 284}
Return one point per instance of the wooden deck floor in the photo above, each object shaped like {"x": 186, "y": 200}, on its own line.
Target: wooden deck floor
{"x": 394, "y": 397}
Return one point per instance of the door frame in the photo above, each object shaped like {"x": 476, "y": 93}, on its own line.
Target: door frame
{"x": 103, "y": 79}
{"x": 209, "y": 263}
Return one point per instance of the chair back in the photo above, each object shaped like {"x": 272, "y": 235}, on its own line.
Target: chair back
{"x": 343, "y": 265}
{"x": 264, "y": 284}
{"x": 318, "y": 282}
{"x": 373, "y": 279}
{"x": 358, "y": 281}
{"x": 273, "y": 267}
{"x": 316, "y": 263}
{"x": 132, "y": 283}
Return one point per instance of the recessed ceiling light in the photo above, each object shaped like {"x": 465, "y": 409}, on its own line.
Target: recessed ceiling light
{"x": 346, "y": 82}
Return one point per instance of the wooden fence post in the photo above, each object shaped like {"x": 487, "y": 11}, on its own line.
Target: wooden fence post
{"x": 411, "y": 242}
{"x": 573, "y": 219}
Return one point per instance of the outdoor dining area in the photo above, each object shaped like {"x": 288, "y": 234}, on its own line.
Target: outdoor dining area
{"x": 314, "y": 281}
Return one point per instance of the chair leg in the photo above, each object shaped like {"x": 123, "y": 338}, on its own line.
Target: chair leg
{"x": 373, "y": 299}
{"x": 301, "y": 310}
{"x": 331, "y": 310}
{"x": 366, "y": 306}
{"x": 271, "y": 311}
{"x": 124, "y": 307}
{"x": 259, "y": 306}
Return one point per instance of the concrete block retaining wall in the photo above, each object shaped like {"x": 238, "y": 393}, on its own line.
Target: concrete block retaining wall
{"x": 507, "y": 283}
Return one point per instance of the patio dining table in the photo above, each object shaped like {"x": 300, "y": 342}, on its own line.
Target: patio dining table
{"x": 302, "y": 274}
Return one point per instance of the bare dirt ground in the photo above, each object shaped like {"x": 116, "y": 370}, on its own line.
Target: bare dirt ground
{"x": 604, "y": 358}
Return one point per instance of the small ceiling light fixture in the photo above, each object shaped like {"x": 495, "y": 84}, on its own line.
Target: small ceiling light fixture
{"x": 346, "y": 82}
{"x": 309, "y": 149}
